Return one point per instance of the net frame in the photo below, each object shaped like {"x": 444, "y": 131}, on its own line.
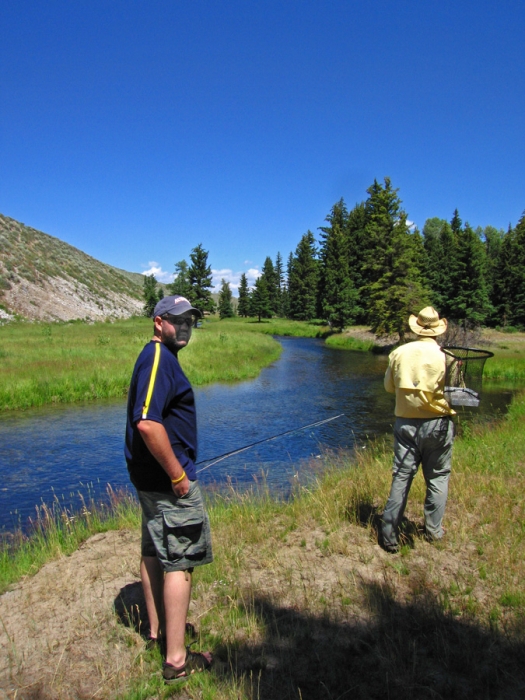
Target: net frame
{"x": 464, "y": 366}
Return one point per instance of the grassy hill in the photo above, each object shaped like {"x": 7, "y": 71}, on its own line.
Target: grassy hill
{"x": 44, "y": 278}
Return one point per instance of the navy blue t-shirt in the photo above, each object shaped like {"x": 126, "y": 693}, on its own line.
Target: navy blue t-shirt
{"x": 160, "y": 391}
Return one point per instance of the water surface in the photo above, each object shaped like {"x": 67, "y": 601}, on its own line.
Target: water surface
{"x": 60, "y": 451}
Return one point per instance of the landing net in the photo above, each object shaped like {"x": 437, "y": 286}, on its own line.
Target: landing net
{"x": 464, "y": 375}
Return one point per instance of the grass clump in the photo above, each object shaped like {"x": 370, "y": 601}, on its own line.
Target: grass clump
{"x": 348, "y": 342}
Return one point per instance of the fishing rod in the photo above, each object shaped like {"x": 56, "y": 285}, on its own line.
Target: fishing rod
{"x": 219, "y": 458}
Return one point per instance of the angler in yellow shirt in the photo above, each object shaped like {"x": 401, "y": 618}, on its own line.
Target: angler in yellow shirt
{"x": 423, "y": 430}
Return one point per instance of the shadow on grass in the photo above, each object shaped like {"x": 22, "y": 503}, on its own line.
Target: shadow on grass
{"x": 130, "y": 608}
{"x": 407, "y": 652}
{"x": 404, "y": 652}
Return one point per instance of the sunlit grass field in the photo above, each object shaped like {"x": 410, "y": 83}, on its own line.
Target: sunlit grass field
{"x": 43, "y": 363}
{"x": 508, "y": 363}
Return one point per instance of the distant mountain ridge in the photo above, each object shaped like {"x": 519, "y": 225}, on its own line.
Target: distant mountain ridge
{"x": 43, "y": 278}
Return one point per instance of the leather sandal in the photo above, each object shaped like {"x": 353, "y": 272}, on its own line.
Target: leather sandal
{"x": 195, "y": 663}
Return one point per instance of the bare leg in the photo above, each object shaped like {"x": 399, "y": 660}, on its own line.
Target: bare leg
{"x": 177, "y": 592}
{"x": 152, "y": 582}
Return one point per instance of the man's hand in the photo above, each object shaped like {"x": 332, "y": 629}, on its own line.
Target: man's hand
{"x": 182, "y": 488}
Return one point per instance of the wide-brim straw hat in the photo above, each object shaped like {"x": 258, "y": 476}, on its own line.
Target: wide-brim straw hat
{"x": 427, "y": 322}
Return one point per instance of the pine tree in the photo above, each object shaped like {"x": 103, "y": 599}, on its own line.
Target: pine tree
{"x": 470, "y": 303}
{"x": 435, "y": 272}
{"x": 450, "y": 264}
{"x": 395, "y": 286}
{"x": 337, "y": 294}
{"x": 181, "y": 283}
{"x": 200, "y": 279}
{"x": 503, "y": 283}
{"x": 303, "y": 279}
{"x": 279, "y": 277}
{"x": 151, "y": 295}
{"x": 270, "y": 277}
{"x": 260, "y": 305}
{"x": 225, "y": 301}
{"x": 243, "y": 307}
{"x": 328, "y": 256}
{"x": 514, "y": 247}
{"x": 456, "y": 223}
{"x": 493, "y": 244}
{"x": 357, "y": 253}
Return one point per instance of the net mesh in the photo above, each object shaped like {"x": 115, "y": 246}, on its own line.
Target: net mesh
{"x": 464, "y": 374}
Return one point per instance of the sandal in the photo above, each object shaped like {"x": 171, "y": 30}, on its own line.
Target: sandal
{"x": 195, "y": 663}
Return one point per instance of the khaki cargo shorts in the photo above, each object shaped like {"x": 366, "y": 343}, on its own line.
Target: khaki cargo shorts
{"x": 176, "y": 530}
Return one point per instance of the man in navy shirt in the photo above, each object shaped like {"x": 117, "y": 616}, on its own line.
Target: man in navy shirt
{"x": 161, "y": 449}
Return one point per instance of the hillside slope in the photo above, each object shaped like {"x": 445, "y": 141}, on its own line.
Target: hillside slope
{"x": 42, "y": 278}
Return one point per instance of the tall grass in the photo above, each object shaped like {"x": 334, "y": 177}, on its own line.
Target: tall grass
{"x": 511, "y": 369}
{"x": 44, "y": 363}
{"x": 56, "y": 531}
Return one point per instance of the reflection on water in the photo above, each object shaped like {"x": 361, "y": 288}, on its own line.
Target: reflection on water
{"x": 55, "y": 452}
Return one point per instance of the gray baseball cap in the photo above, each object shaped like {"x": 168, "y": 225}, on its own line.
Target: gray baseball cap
{"x": 175, "y": 305}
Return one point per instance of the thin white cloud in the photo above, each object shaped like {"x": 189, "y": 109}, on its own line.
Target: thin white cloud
{"x": 160, "y": 274}
{"x": 233, "y": 278}
{"x": 218, "y": 275}
{"x": 251, "y": 275}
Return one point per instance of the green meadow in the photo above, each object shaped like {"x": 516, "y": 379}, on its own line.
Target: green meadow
{"x": 46, "y": 363}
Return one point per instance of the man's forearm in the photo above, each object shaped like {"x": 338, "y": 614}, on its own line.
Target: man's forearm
{"x": 156, "y": 438}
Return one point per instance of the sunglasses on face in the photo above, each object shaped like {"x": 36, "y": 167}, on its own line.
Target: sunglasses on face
{"x": 178, "y": 320}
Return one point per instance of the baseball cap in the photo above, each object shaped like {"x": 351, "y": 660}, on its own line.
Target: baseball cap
{"x": 175, "y": 305}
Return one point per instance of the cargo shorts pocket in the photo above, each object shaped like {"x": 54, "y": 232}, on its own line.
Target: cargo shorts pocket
{"x": 184, "y": 529}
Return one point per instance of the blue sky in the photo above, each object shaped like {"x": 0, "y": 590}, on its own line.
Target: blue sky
{"x": 137, "y": 129}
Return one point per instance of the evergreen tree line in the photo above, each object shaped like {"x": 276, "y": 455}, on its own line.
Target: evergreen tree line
{"x": 371, "y": 267}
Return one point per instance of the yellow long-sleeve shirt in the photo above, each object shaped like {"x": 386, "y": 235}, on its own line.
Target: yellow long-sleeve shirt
{"x": 416, "y": 374}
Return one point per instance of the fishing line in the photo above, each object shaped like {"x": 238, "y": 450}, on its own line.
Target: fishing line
{"x": 219, "y": 458}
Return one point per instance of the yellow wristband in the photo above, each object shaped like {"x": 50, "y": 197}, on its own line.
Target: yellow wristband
{"x": 177, "y": 481}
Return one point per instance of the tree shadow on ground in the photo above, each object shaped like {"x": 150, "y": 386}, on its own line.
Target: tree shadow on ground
{"x": 407, "y": 652}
